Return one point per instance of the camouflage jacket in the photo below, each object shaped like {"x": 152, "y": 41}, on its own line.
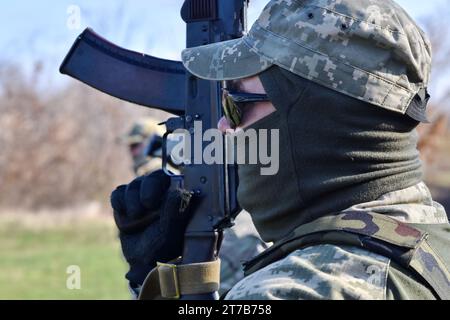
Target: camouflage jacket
{"x": 240, "y": 243}
{"x": 335, "y": 271}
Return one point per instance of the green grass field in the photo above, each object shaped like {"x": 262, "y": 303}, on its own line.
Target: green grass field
{"x": 34, "y": 257}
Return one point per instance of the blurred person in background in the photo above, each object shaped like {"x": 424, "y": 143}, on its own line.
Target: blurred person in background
{"x": 144, "y": 142}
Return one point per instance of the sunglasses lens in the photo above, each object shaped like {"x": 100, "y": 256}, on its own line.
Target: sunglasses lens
{"x": 231, "y": 111}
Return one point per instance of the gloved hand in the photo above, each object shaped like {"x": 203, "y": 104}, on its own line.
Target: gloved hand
{"x": 151, "y": 222}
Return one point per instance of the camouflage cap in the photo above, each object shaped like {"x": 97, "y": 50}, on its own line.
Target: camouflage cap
{"x": 142, "y": 130}
{"x": 368, "y": 49}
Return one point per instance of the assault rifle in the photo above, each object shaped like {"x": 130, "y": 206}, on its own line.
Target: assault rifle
{"x": 166, "y": 85}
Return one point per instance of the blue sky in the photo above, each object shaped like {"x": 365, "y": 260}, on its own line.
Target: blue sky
{"x": 32, "y": 30}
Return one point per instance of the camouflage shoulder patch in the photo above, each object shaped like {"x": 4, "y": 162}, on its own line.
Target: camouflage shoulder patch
{"x": 318, "y": 272}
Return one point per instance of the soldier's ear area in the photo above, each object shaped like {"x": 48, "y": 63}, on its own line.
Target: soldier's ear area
{"x": 284, "y": 88}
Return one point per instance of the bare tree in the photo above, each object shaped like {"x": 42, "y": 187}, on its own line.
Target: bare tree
{"x": 60, "y": 148}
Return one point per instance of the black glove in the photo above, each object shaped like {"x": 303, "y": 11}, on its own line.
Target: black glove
{"x": 151, "y": 222}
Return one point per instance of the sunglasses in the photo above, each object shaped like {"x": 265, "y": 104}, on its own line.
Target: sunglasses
{"x": 233, "y": 103}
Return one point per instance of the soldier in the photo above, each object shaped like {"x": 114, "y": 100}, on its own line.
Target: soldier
{"x": 348, "y": 212}
{"x": 144, "y": 143}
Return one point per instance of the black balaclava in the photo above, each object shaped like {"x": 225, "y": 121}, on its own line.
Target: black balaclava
{"x": 335, "y": 152}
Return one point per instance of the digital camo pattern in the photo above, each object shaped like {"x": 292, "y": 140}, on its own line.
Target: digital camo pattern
{"x": 415, "y": 252}
{"x": 226, "y": 60}
{"x": 426, "y": 262}
{"x": 318, "y": 272}
{"x": 368, "y": 49}
{"x": 241, "y": 243}
{"x": 410, "y": 205}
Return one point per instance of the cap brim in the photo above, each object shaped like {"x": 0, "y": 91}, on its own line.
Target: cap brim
{"x": 228, "y": 60}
